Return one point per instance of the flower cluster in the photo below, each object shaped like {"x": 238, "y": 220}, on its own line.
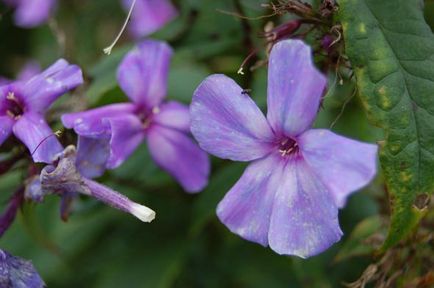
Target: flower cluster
{"x": 289, "y": 195}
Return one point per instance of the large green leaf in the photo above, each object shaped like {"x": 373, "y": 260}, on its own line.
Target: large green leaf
{"x": 391, "y": 50}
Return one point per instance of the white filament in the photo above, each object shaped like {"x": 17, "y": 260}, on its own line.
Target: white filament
{"x": 108, "y": 49}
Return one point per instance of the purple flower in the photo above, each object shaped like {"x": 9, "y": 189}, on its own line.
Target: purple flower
{"x": 23, "y": 104}
{"x": 142, "y": 75}
{"x": 288, "y": 197}
{"x": 65, "y": 178}
{"x": 18, "y": 273}
{"x": 31, "y": 13}
{"x": 149, "y": 16}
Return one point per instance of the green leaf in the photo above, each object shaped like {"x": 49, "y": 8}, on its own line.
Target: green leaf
{"x": 391, "y": 50}
{"x": 356, "y": 244}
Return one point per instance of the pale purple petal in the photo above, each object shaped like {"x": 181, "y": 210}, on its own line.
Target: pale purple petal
{"x": 173, "y": 115}
{"x": 304, "y": 221}
{"x": 42, "y": 90}
{"x": 246, "y": 209}
{"x": 180, "y": 156}
{"x": 149, "y": 16}
{"x": 6, "y": 124}
{"x": 4, "y": 81}
{"x": 295, "y": 88}
{"x": 344, "y": 165}
{"x": 227, "y": 123}
{"x": 34, "y": 132}
{"x": 31, "y": 13}
{"x": 92, "y": 156}
{"x": 90, "y": 123}
{"x": 143, "y": 73}
{"x": 31, "y": 69}
{"x": 127, "y": 132}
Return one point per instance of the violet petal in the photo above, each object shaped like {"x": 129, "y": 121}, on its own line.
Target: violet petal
{"x": 34, "y": 132}
{"x": 295, "y": 88}
{"x": 344, "y": 165}
{"x": 246, "y": 209}
{"x": 173, "y": 115}
{"x": 143, "y": 73}
{"x": 31, "y": 69}
{"x": 31, "y": 13}
{"x": 6, "y": 124}
{"x": 149, "y": 16}
{"x": 127, "y": 132}
{"x": 42, "y": 90}
{"x": 91, "y": 123}
{"x": 92, "y": 156}
{"x": 227, "y": 123}
{"x": 180, "y": 156}
{"x": 304, "y": 221}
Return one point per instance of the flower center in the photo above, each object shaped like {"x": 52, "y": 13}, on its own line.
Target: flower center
{"x": 146, "y": 116}
{"x": 14, "y": 109}
{"x": 288, "y": 146}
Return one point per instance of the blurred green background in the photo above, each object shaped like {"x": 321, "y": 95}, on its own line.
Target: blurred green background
{"x": 186, "y": 246}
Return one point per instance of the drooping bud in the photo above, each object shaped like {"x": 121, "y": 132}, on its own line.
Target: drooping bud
{"x": 63, "y": 178}
{"x": 8, "y": 216}
{"x": 283, "y": 31}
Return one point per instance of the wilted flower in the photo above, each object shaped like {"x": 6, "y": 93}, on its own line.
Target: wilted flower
{"x": 64, "y": 178}
{"x": 31, "y": 13}
{"x": 149, "y": 15}
{"x": 142, "y": 75}
{"x": 16, "y": 272}
{"x": 23, "y": 104}
{"x": 288, "y": 197}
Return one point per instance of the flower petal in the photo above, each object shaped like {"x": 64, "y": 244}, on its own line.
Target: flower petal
{"x": 127, "y": 132}
{"x": 18, "y": 272}
{"x": 227, "y": 123}
{"x": 42, "y": 90}
{"x": 295, "y": 87}
{"x": 304, "y": 221}
{"x": 90, "y": 123}
{"x": 143, "y": 73}
{"x": 32, "y": 13}
{"x": 34, "y": 132}
{"x": 180, "y": 156}
{"x": 92, "y": 156}
{"x": 32, "y": 68}
{"x": 344, "y": 165}
{"x": 173, "y": 115}
{"x": 247, "y": 207}
{"x": 6, "y": 124}
{"x": 149, "y": 16}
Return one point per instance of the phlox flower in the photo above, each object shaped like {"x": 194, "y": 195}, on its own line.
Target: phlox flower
{"x": 289, "y": 195}
{"x": 31, "y": 13}
{"x": 24, "y": 103}
{"x": 149, "y": 16}
{"x": 119, "y": 128}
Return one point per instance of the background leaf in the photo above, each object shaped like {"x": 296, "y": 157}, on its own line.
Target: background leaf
{"x": 391, "y": 50}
